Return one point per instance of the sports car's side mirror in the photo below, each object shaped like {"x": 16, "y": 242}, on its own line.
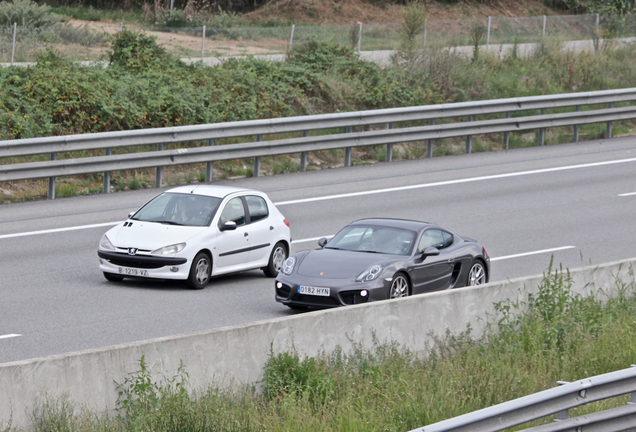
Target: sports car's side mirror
{"x": 322, "y": 242}
{"x": 228, "y": 226}
{"x": 430, "y": 251}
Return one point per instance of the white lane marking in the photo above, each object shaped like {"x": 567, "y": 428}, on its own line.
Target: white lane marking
{"x": 307, "y": 240}
{"x": 458, "y": 181}
{"x": 30, "y": 233}
{"x": 627, "y": 194}
{"x": 532, "y": 253}
{"x": 371, "y": 192}
{"x": 7, "y": 336}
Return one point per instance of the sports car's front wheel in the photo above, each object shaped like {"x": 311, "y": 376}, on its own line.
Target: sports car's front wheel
{"x": 477, "y": 274}
{"x": 400, "y": 287}
{"x": 200, "y": 271}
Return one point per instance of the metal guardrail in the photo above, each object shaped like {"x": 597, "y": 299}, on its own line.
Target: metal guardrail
{"x": 558, "y": 401}
{"x": 259, "y": 148}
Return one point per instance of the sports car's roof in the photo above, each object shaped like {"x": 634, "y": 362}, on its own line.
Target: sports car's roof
{"x": 398, "y": 223}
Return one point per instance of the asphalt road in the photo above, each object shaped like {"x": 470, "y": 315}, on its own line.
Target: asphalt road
{"x": 575, "y": 201}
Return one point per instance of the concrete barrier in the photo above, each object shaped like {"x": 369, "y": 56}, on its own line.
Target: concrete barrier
{"x": 236, "y": 355}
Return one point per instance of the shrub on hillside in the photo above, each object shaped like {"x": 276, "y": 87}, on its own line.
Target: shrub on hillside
{"x": 26, "y": 13}
{"x": 137, "y": 51}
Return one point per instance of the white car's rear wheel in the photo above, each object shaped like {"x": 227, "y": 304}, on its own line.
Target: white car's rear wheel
{"x": 276, "y": 259}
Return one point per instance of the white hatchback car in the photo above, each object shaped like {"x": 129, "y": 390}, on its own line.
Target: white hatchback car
{"x": 194, "y": 232}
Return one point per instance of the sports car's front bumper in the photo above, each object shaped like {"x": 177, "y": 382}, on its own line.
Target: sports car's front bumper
{"x": 341, "y": 292}
{"x": 143, "y": 266}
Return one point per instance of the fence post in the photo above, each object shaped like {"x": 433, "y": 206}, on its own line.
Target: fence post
{"x": 257, "y": 160}
{"x": 359, "y": 36}
{"x": 562, "y": 415}
{"x": 544, "y": 20}
{"x": 608, "y": 126}
{"x": 389, "y": 147}
{"x": 488, "y": 34}
{"x": 347, "y": 161}
{"x": 15, "y": 29}
{"x": 106, "y": 182}
{"x": 51, "y": 194}
{"x": 576, "y": 127}
{"x": 429, "y": 149}
{"x": 507, "y": 134}
{"x": 598, "y": 25}
{"x": 171, "y": 4}
{"x": 159, "y": 175}
{"x": 542, "y": 131}
{"x": 425, "y": 30}
{"x": 203, "y": 45}
{"x": 469, "y": 138}
{"x": 303, "y": 155}
{"x": 291, "y": 39}
{"x": 209, "y": 168}
{"x": 121, "y": 27}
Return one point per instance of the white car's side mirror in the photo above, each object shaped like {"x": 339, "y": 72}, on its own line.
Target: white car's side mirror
{"x": 228, "y": 226}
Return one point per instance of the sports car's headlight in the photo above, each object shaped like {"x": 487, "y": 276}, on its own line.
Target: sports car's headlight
{"x": 288, "y": 266}
{"x": 369, "y": 274}
{"x": 169, "y": 250}
{"x": 105, "y": 244}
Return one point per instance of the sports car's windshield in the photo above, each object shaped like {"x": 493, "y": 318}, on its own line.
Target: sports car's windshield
{"x": 374, "y": 239}
{"x": 179, "y": 209}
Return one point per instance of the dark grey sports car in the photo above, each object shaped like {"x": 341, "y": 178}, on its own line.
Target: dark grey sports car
{"x": 377, "y": 259}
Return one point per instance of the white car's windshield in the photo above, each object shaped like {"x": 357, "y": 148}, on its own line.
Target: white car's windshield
{"x": 179, "y": 209}
{"x": 374, "y": 239}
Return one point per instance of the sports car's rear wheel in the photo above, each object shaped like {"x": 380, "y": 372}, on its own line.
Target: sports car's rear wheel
{"x": 276, "y": 260}
{"x": 400, "y": 287}
{"x": 113, "y": 277}
{"x": 477, "y": 274}
{"x": 200, "y": 271}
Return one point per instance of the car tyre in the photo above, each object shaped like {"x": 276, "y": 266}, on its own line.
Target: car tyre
{"x": 476, "y": 274}
{"x": 400, "y": 286}
{"x": 112, "y": 277}
{"x": 276, "y": 260}
{"x": 200, "y": 271}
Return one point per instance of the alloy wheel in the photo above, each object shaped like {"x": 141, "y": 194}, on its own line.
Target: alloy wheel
{"x": 399, "y": 287}
{"x": 477, "y": 275}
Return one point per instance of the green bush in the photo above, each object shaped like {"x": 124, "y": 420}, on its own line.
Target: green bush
{"x": 26, "y": 13}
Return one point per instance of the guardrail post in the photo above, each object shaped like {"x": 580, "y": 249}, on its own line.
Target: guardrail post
{"x": 51, "y": 194}
{"x": 209, "y": 168}
{"x": 565, "y": 414}
{"x": 159, "y": 175}
{"x": 347, "y": 161}
{"x": 257, "y": 160}
{"x": 15, "y": 29}
{"x": 507, "y": 134}
{"x": 106, "y": 182}
{"x": 608, "y": 126}
{"x": 389, "y": 147}
{"x": 303, "y": 155}
{"x": 469, "y": 138}
{"x": 429, "y": 148}
{"x": 203, "y": 45}
{"x": 542, "y": 131}
{"x": 575, "y": 138}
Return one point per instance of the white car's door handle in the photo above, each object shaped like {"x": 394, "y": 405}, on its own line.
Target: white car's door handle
{"x": 245, "y": 234}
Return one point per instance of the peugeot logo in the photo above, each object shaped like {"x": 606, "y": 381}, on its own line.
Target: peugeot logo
{"x": 132, "y": 251}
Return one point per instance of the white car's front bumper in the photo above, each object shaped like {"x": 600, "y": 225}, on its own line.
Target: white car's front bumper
{"x": 144, "y": 266}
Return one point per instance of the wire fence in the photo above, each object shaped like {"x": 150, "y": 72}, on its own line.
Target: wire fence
{"x": 84, "y": 43}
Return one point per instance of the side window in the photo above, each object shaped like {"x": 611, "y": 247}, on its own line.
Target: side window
{"x": 257, "y": 207}
{"x": 448, "y": 239}
{"x": 233, "y": 211}
{"x": 431, "y": 238}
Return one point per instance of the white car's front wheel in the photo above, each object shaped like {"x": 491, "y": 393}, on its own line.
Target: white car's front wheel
{"x": 200, "y": 271}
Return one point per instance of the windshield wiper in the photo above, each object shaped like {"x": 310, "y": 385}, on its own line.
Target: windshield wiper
{"x": 168, "y": 222}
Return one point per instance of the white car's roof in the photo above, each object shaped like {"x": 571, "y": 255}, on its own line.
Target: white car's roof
{"x": 209, "y": 190}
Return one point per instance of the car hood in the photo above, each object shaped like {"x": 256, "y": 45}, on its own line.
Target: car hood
{"x": 151, "y": 235}
{"x": 337, "y": 264}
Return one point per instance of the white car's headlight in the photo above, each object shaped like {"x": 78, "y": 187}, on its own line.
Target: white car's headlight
{"x": 105, "y": 244}
{"x": 370, "y": 274}
{"x": 288, "y": 265}
{"x": 169, "y": 250}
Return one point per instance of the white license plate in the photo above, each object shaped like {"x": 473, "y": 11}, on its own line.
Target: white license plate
{"x": 127, "y": 271}
{"x": 309, "y": 290}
